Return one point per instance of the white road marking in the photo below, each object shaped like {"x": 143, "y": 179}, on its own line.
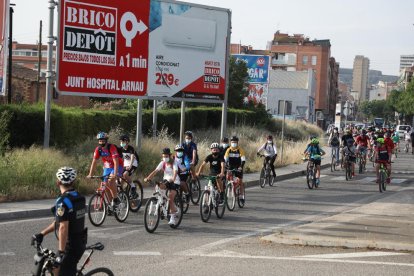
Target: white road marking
{"x": 354, "y": 255}
{"x": 368, "y": 179}
{"x": 137, "y": 253}
{"x": 338, "y": 178}
{"x": 397, "y": 180}
{"x": 7, "y": 254}
{"x": 25, "y": 220}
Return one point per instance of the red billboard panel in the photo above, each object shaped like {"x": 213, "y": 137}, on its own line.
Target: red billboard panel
{"x": 4, "y": 12}
{"x": 103, "y": 48}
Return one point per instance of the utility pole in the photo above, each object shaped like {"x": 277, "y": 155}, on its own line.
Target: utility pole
{"x": 9, "y": 84}
{"x": 39, "y": 61}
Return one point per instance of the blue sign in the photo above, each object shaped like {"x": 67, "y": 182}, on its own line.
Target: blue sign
{"x": 257, "y": 67}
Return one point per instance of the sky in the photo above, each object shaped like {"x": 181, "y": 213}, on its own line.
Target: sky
{"x": 381, "y": 30}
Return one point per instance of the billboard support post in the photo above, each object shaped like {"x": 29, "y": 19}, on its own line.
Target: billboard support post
{"x": 49, "y": 74}
{"x": 138, "y": 136}
{"x": 182, "y": 121}
{"x": 226, "y": 92}
{"x": 9, "y": 86}
{"x": 154, "y": 119}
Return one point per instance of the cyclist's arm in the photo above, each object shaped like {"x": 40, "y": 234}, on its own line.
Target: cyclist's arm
{"x": 93, "y": 166}
{"x": 242, "y": 157}
{"x": 201, "y": 167}
{"x": 222, "y": 168}
{"x": 63, "y": 234}
{"x": 175, "y": 172}
{"x": 48, "y": 229}
{"x": 116, "y": 165}
{"x": 261, "y": 148}
{"x": 226, "y": 155}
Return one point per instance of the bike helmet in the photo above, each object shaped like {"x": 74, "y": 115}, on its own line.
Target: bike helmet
{"x": 225, "y": 140}
{"x": 102, "y": 136}
{"x": 214, "y": 146}
{"x": 166, "y": 151}
{"x": 124, "y": 138}
{"x": 178, "y": 148}
{"x": 380, "y": 140}
{"x": 189, "y": 133}
{"x": 234, "y": 138}
{"x": 315, "y": 141}
{"x": 66, "y": 175}
{"x": 270, "y": 137}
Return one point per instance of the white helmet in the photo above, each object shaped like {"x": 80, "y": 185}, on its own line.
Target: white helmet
{"x": 214, "y": 146}
{"x": 66, "y": 175}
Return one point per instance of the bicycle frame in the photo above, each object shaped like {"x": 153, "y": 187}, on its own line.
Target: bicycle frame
{"x": 162, "y": 200}
{"x": 213, "y": 191}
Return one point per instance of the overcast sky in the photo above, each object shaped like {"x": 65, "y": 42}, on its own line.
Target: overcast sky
{"x": 381, "y": 30}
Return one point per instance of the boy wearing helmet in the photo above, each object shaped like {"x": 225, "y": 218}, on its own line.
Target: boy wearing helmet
{"x": 270, "y": 152}
{"x": 182, "y": 170}
{"x": 216, "y": 167}
{"x": 190, "y": 152}
{"x": 69, "y": 212}
{"x": 235, "y": 159}
{"x": 112, "y": 164}
{"x": 171, "y": 180}
{"x": 130, "y": 157}
{"x": 382, "y": 155}
{"x": 349, "y": 151}
{"x": 314, "y": 152}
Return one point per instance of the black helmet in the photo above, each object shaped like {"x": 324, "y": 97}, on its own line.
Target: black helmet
{"x": 166, "y": 151}
{"x": 234, "y": 138}
{"x": 270, "y": 137}
{"x": 225, "y": 140}
{"x": 189, "y": 133}
{"x": 124, "y": 138}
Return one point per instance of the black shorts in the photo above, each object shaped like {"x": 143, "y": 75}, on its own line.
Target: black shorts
{"x": 131, "y": 170}
{"x": 237, "y": 173}
{"x": 183, "y": 177}
{"x": 173, "y": 186}
{"x": 317, "y": 162}
{"x": 351, "y": 159}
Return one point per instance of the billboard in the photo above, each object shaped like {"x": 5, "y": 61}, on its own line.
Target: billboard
{"x": 257, "y": 67}
{"x": 4, "y": 31}
{"x": 257, "y": 93}
{"x": 146, "y": 49}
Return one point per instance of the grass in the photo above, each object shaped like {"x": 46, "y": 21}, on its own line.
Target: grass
{"x": 30, "y": 173}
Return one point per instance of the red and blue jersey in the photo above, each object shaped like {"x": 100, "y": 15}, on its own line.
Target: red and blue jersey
{"x": 108, "y": 156}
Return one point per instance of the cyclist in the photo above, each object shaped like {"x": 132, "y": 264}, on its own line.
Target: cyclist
{"x": 182, "y": 170}
{"x": 171, "y": 179}
{"x": 334, "y": 142}
{"x": 190, "y": 153}
{"x": 216, "y": 167}
{"x": 224, "y": 146}
{"x": 362, "y": 142}
{"x": 270, "y": 153}
{"x": 112, "y": 164}
{"x": 69, "y": 212}
{"x": 314, "y": 152}
{"x": 388, "y": 141}
{"x": 409, "y": 138}
{"x": 383, "y": 155}
{"x": 235, "y": 158}
{"x": 350, "y": 152}
{"x": 347, "y": 136}
{"x": 130, "y": 157}
{"x": 395, "y": 136}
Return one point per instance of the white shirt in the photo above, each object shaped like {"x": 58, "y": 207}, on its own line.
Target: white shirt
{"x": 169, "y": 169}
{"x": 270, "y": 149}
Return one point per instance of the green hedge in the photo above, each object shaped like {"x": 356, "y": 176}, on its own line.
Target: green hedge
{"x": 72, "y": 125}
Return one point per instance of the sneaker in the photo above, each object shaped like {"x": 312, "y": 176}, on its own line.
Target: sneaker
{"x": 172, "y": 220}
{"x": 388, "y": 180}
{"x": 242, "y": 200}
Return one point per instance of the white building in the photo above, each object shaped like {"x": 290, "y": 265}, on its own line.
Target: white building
{"x": 406, "y": 61}
{"x": 297, "y": 88}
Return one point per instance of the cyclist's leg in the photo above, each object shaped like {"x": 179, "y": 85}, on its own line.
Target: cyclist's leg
{"x": 318, "y": 171}
{"x": 377, "y": 166}
{"x": 172, "y": 187}
{"x": 72, "y": 257}
{"x": 337, "y": 154}
{"x": 272, "y": 165}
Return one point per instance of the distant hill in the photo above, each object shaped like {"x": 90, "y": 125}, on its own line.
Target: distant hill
{"x": 374, "y": 76}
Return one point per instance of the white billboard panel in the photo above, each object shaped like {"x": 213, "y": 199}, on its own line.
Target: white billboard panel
{"x": 4, "y": 49}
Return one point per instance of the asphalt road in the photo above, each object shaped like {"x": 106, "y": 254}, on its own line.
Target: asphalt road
{"x": 231, "y": 245}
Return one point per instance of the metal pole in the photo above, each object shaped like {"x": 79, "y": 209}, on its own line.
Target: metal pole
{"x": 9, "y": 84}
{"x": 49, "y": 74}
{"x": 182, "y": 121}
{"x": 138, "y": 138}
{"x": 39, "y": 60}
{"x": 226, "y": 92}
{"x": 283, "y": 131}
{"x": 154, "y": 119}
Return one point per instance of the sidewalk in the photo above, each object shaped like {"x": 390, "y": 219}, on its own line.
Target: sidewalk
{"x": 41, "y": 208}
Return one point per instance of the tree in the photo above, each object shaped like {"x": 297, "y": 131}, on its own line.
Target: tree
{"x": 377, "y": 108}
{"x": 237, "y": 83}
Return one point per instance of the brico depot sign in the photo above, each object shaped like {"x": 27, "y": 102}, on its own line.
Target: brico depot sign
{"x": 145, "y": 49}
{"x": 103, "y": 47}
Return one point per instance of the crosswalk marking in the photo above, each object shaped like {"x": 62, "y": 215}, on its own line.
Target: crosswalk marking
{"x": 354, "y": 255}
{"x": 397, "y": 180}
{"x": 136, "y": 253}
{"x": 368, "y": 179}
{"x": 341, "y": 178}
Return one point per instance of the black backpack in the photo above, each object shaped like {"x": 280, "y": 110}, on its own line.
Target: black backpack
{"x": 335, "y": 141}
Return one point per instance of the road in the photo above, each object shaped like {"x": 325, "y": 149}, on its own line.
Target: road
{"x": 232, "y": 245}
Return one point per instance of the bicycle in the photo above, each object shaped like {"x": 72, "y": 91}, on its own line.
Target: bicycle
{"x": 348, "y": 168}
{"x": 362, "y": 161}
{"x": 334, "y": 162}
{"x": 157, "y": 207}
{"x": 311, "y": 174}
{"x": 407, "y": 146}
{"x": 195, "y": 189}
{"x": 135, "y": 198}
{"x": 383, "y": 175}
{"x": 210, "y": 199}
{"x": 45, "y": 261}
{"x": 266, "y": 174}
{"x": 100, "y": 206}
{"x": 233, "y": 192}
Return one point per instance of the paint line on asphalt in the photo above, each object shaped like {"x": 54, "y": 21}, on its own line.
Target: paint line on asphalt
{"x": 137, "y": 253}
{"x": 338, "y": 178}
{"x": 25, "y": 220}
{"x": 7, "y": 254}
{"x": 397, "y": 180}
{"x": 354, "y": 255}
{"x": 368, "y": 179}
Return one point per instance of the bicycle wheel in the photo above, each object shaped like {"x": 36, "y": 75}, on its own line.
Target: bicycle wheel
{"x": 406, "y": 147}
{"x": 97, "y": 209}
{"x": 382, "y": 180}
{"x": 122, "y": 209}
{"x": 230, "y": 196}
{"x": 205, "y": 206}
{"x": 315, "y": 183}
{"x": 241, "y": 201}
{"x": 195, "y": 190}
{"x": 262, "y": 179}
{"x": 220, "y": 208}
{"x": 178, "y": 201}
{"x": 333, "y": 163}
{"x": 272, "y": 179}
{"x": 360, "y": 165}
{"x": 152, "y": 215}
{"x": 100, "y": 271}
{"x": 309, "y": 178}
{"x": 135, "y": 200}
{"x": 185, "y": 203}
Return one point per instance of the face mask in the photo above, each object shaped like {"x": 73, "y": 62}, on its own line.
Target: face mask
{"x": 188, "y": 141}
{"x": 166, "y": 159}
{"x": 270, "y": 142}
{"x": 123, "y": 144}
{"x": 225, "y": 145}
{"x": 234, "y": 145}
{"x": 180, "y": 154}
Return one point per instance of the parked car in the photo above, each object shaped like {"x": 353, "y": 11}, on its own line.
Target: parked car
{"x": 402, "y": 129}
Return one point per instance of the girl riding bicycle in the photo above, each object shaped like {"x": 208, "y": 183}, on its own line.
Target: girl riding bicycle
{"x": 314, "y": 152}
{"x": 270, "y": 152}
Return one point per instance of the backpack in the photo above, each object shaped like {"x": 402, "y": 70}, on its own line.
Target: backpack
{"x": 334, "y": 141}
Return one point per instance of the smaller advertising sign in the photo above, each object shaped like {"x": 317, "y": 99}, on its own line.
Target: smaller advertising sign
{"x": 4, "y": 11}
{"x": 257, "y": 67}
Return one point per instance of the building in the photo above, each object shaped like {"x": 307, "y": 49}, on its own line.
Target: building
{"x": 360, "y": 77}
{"x": 406, "y": 61}
{"x": 27, "y": 55}
{"x": 406, "y": 76}
{"x": 297, "y": 89}
{"x": 382, "y": 90}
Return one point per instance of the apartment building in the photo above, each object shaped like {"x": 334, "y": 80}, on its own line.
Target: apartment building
{"x": 360, "y": 77}
{"x": 406, "y": 61}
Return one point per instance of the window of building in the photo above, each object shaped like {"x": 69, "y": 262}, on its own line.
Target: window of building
{"x": 314, "y": 59}
{"x": 305, "y": 60}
